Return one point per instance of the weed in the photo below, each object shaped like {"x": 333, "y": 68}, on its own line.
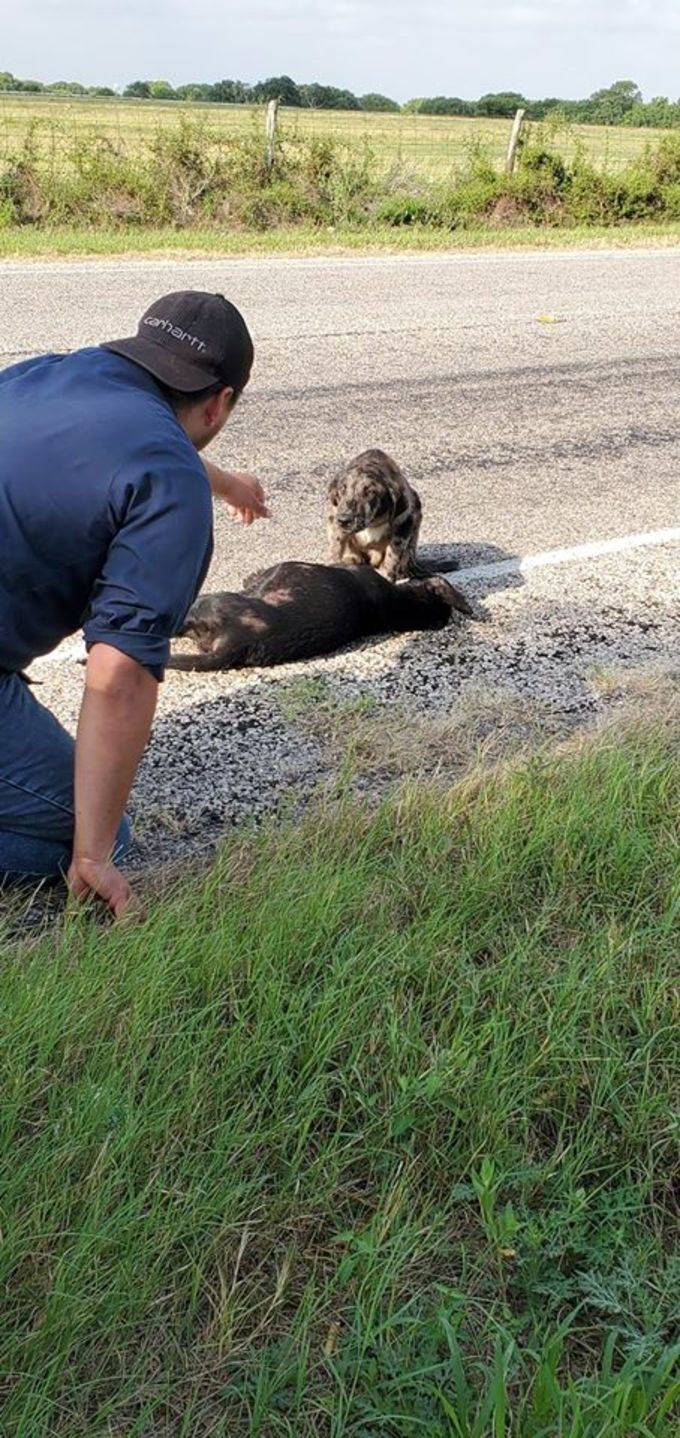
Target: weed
{"x": 190, "y": 174}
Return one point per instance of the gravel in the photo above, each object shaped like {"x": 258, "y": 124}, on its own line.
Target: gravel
{"x": 520, "y": 437}
{"x": 226, "y": 749}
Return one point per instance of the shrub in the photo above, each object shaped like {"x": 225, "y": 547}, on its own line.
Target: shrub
{"x": 7, "y": 214}
{"x": 638, "y": 195}
{"x": 406, "y": 210}
{"x": 590, "y": 196}
{"x": 188, "y": 174}
{"x": 665, "y": 160}
{"x": 670, "y": 197}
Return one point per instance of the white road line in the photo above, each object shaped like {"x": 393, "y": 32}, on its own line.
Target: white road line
{"x": 573, "y": 552}
{"x": 74, "y": 648}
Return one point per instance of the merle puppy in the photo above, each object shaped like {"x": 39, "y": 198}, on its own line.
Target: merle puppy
{"x": 297, "y": 611}
{"x": 374, "y": 517}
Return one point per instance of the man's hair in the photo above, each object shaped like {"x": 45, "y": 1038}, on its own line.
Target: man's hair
{"x": 180, "y": 400}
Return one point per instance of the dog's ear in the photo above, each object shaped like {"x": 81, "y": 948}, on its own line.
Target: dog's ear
{"x": 384, "y": 496}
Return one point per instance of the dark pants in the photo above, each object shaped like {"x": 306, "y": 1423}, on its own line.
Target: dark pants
{"x": 36, "y": 787}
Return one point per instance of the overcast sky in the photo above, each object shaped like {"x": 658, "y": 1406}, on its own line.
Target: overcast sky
{"x": 400, "y": 47}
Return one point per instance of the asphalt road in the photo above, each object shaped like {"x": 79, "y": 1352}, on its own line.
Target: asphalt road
{"x": 532, "y": 399}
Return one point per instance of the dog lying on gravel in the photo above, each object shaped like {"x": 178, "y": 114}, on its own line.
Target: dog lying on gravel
{"x": 297, "y": 611}
{"x": 374, "y": 518}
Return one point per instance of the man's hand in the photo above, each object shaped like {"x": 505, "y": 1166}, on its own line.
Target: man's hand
{"x": 246, "y": 499}
{"x": 86, "y": 877}
{"x": 242, "y": 492}
{"x": 115, "y": 721}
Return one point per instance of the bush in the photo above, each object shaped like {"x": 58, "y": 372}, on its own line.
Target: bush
{"x": 189, "y": 174}
{"x": 405, "y": 210}
{"x": 665, "y": 160}
{"x": 590, "y": 197}
{"x": 379, "y": 102}
{"x": 670, "y": 195}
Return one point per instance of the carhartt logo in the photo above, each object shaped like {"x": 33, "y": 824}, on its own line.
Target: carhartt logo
{"x": 174, "y": 330}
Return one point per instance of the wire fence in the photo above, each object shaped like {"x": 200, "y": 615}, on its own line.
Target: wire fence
{"x": 431, "y": 146}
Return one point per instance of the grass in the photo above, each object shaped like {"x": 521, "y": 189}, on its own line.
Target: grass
{"x": 318, "y": 196}
{"x": 428, "y": 144}
{"x": 366, "y": 1131}
{"x": 65, "y": 241}
{"x": 218, "y": 190}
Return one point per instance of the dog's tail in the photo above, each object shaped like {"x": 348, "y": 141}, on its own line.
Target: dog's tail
{"x": 429, "y": 568}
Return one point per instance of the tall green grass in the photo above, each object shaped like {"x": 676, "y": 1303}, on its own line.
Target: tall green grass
{"x": 367, "y": 1131}
{"x": 191, "y": 177}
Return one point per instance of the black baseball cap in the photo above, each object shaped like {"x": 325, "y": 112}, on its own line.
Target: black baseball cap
{"x": 190, "y": 340}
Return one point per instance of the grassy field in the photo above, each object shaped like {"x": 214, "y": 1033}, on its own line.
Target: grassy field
{"x": 367, "y": 1132}
{"x": 429, "y": 145}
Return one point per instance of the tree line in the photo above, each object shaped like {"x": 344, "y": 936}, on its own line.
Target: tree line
{"x": 617, "y": 104}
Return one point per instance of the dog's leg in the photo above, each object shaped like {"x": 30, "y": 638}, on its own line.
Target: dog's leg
{"x": 460, "y": 602}
{"x": 395, "y": 564}
{"x": 217, "y": 659}
{"x": 336, "y": 545}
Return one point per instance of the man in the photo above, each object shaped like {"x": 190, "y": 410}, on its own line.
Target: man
{"x": 105, "y": 522}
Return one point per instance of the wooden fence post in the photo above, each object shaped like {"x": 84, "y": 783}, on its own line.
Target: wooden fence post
{"x": 514, "y": 141}
{"x": 271, "y": 122}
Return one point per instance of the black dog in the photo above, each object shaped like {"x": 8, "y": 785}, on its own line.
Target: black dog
{"x": 296, "y": 611}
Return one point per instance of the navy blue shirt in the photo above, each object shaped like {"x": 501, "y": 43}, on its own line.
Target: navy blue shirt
{"x": 105, "y": 509}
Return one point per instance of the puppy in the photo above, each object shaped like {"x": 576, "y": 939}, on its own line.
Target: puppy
{"x": 297, "y": 611}
{"x": 374, "y": 518}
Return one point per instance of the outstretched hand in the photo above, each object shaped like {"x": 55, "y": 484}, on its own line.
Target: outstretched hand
{"x": 243, "y": 493}
{"x": 246, "y": 499}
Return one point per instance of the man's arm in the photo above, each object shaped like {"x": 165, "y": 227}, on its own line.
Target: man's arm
{"x": 242, "y": 492}
{"x": 115, "y": 721}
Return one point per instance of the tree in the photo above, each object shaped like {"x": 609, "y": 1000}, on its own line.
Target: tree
{"x": 65, "y": 87}
{"x": 609, "y": 106}
{"x": 231, "y": 92}
{"x": 161, "y": 90}
{"x": 279, "y": 87}
{"x": 443, "y": 105}
{"x": 102, "y": 90}
{"x": 328, "y": 97}
{"x": 378, "y": 102}
{"x": 659, "y": 111}
{"x": 8, "y": 81}
{"x": 193, "y": 92}
{"x": 504, "y": 103}
{"x": 138, "y": 90}
{"x": 343, "y": 100}
{"x": 536, "y": 109}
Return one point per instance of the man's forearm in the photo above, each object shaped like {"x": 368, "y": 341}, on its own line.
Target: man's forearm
{"x": 218, "y": 479}
{"x": 115, "y": 721}
{"x": 242, "y": 492}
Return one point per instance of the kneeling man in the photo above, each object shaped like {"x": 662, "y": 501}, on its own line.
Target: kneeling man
{"x": 105, "y": 523}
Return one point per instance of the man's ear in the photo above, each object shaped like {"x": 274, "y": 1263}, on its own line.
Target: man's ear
{"x": 217, "y": 404}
